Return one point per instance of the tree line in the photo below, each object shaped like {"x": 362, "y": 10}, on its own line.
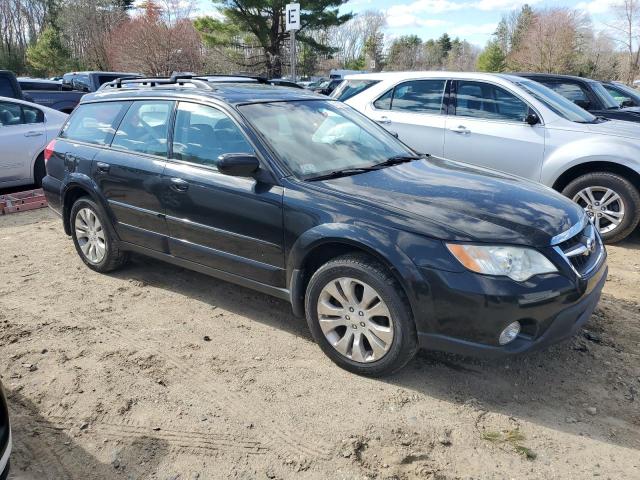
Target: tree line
{"x": 158, "y": 37}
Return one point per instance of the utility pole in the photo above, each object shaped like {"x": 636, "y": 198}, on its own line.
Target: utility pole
{"x": 293, "y": 24}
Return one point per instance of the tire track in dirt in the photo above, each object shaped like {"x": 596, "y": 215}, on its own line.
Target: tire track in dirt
{"x": 282, "y": 440}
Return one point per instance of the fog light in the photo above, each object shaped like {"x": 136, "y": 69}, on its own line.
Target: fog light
{"x": 510, "y": 333}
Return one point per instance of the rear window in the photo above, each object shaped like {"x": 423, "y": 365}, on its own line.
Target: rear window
{"x": 350, "y": 88}
{"x": 94, "y": 122}
{"x": 44, "y": 86}
{"x": 6, "y": 88}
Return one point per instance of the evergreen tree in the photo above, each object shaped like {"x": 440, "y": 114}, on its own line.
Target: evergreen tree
{"x": 492, "y": 58}
{"x": 48, "y": 56}
{"x": 523, "y": 22}
{"x": 264, "y": 21}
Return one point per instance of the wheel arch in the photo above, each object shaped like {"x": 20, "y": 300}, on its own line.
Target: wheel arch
{"x": 71, "y": 193}
{"x": 596, "y": 166}
{"x": 321, "y": 244}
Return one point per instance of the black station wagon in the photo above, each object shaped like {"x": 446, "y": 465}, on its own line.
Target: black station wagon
{"x": 299, "y": 196}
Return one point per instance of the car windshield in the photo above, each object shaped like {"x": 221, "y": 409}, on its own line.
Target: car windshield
{"x": 556, "y": 102}
{"x": 604, "y": 96}
{"x": 318, "y": 137}
{"x": 627, "y": 91}
{"x": 350, "y": 88}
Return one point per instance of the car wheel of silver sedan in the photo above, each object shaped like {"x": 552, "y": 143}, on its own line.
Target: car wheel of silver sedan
{"x": 358, "y": 314}
{"x": 610, "y": 200}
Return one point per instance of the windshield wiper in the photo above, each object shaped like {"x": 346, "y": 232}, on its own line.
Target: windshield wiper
{"x": 396, "y": 159}
{"x": 342, "y": 173}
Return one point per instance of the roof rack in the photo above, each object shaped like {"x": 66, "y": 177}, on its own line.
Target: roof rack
{"x": 257, "y": 78}
{"x": 158, "y": 81}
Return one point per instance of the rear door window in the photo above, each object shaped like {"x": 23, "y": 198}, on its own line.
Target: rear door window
{"x": 10, "y": 114}
{"x": 32, "y": 115}
{"x": 483, "y": 100}
{"x": 416, "y": 96}
{"x": 94, "y": 122}
{"x": 145, "y": 128}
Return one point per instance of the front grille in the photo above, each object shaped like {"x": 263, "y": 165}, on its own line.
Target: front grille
{"x": 583, "y": 250}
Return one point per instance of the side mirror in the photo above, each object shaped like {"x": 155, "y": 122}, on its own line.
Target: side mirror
{"x": 627, "y": 103}
{"x": 532, "y": 119}
{"x": 238, "y": 164}
{"x": 585, "y": 104}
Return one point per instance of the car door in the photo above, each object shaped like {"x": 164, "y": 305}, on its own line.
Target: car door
{"x": 415, "y": 111}
{"x": 487, "y": 127}
{"x": 22, "y": 138}
{"x": 129, "y": 174}
{"x": 232, "y": 224}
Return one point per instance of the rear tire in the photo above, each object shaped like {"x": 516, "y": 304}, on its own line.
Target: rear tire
{"x": 94, "y": 238}
{"x": 621, "y": 203}
{"x": 370, "y": 333}
{"x": 39, "y": 171}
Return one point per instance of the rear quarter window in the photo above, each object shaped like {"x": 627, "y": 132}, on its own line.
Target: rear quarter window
{"x": 94, "y": 122}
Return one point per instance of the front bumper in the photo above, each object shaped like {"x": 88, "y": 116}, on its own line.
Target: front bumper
{"x": 470, "y": 317}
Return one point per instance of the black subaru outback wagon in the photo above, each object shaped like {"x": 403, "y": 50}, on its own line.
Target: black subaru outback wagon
{"x": 301, "y": 197}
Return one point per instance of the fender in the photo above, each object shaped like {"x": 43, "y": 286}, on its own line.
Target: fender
{"x": 619, "y": 151}
{"x": 86, "y": 183}
{"x": 379, "y": 242}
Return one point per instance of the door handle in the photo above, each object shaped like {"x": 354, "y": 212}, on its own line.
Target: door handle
{"x": 461, "y": 129}
{"x": 384, "y": 120}
{"x": 33, "y": 134}
{"x": 102, "y": 167}
{"x": 179, "y": 185}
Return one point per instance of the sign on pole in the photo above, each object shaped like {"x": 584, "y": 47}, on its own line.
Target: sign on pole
{"x": 293, "y": 16}
{"x": 293, "y": 24}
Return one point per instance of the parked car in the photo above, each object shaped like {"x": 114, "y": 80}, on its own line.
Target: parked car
{"x": 626, "y": 96}
{"x": 91, "y": 81}
{"x": 50, "y": 94}
{"x": 326, "y": 87}
{"x": 9, "y": 87}
{"x": 518, "y": 126}
{"x": 25, "y": 130}
{"x": 587, "y": 94}
{"x": 5, "y": 436}
{"x": 298, "y": 196}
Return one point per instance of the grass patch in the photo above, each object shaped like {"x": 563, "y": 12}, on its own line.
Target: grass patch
{"x": 513, "y": 438}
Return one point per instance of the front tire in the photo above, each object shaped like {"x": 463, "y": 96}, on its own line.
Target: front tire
{"x": 94, "y": 238}
{"x": 359, "y": 316}
{"x": 610, "y": 200}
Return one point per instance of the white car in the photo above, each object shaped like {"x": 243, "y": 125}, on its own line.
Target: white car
{"x": 25, "y": 131}
{"x": 515, "y": 125}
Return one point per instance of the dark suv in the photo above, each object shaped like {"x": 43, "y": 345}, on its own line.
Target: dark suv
{"x": 588, "y": 94}
{"x": 301, "y": 197}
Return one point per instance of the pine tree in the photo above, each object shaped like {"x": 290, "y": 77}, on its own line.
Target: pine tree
{"x": 492, "y": 58}
{"x": 48, "y": 56}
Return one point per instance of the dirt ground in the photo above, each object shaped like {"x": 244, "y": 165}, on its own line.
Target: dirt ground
{"x": 157, "y": 372}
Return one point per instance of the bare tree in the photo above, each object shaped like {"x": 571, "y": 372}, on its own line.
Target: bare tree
{"x": 626, "y": 31}
{"x": 156, "y": 43}
{"x": 551, "y": 42}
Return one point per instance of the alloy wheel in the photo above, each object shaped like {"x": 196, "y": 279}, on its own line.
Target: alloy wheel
{"x": 90, "y": 235}
{"x": 603, "y": 206}
{"x": 355, "y": 319}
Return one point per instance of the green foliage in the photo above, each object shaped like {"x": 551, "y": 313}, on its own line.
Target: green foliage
{"x": 48, "y": 56}
{"x": 523, "y": 22}
{"x": 513, "y": 438}
{"x": 263, "y": 20}
{"x": 492, "y": 58}
{"x": 445, "y": 43}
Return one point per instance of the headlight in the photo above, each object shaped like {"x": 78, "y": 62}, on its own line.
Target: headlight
{"x": 516, "y": 263}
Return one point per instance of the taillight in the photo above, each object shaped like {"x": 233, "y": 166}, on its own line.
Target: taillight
{"x": 48, "y": 151}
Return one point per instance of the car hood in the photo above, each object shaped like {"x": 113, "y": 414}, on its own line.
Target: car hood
{"x": 618, "y": 128}
{"x": 457, "y": 201}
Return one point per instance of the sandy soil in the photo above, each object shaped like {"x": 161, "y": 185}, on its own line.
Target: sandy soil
{"x": 158, "y": 372}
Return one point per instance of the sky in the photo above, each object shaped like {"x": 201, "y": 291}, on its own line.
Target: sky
{"x": 472, "y": 20}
